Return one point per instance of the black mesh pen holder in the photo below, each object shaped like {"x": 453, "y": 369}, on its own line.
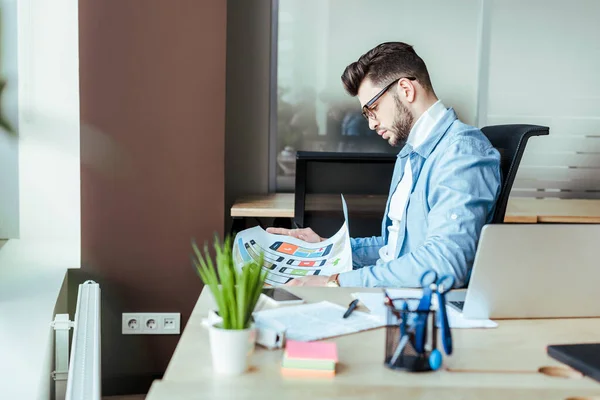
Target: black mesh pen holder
{"x": 401, "y": 342}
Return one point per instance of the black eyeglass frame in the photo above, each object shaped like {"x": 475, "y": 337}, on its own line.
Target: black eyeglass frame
{"x": 366, "y": 110}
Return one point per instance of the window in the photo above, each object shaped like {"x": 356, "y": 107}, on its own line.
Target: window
{"x": 316, "y": 39}
{"x": 9, "y": 145}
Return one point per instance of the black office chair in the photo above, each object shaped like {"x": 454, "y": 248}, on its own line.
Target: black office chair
{"x": 510, "y": 140}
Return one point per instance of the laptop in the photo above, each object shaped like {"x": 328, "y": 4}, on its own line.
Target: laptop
{"x": 534, "y": 271}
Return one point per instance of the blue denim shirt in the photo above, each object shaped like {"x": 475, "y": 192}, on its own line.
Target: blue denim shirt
{"x": 456, "y": 182}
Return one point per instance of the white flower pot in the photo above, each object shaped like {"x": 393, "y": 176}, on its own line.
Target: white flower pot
{"x": 231, "y": 349}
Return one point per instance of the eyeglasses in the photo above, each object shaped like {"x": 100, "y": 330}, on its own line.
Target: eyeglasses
{"x": 367, "y": 111}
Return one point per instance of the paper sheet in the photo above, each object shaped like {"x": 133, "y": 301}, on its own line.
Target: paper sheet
{"x": 316, "y": 321}
{"x": 287, "y": 258}
{"x": 374, "y": 302}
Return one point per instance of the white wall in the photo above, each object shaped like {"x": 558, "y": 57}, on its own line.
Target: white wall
{"x": 49, "y": 120}
{"x": 544, "y": 69}
{"x": 32, "y": 268}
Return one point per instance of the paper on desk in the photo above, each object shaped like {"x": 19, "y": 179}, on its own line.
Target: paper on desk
{"x": 374, "y": 302}
{"x": 308, "y": 322}
{"x": 287, "y": 258}
{"x": 457, "y": 320}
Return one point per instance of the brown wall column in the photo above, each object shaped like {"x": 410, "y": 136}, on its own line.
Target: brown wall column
{"x": 152, "y": 93}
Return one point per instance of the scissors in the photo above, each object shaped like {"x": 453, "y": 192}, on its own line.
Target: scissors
{"x": 430, "y": 282}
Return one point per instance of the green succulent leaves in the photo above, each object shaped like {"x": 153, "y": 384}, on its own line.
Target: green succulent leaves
{"x": 235, "y": 292}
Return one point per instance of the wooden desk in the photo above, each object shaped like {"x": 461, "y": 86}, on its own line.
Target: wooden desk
{"x": 568, "y": 211}
{"x": 519, "y": 210}
{"x": 502, "y": 363}
{"x": 266, "y": 205}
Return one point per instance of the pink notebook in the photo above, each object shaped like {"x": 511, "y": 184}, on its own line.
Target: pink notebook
{"x": 311, "y": 350}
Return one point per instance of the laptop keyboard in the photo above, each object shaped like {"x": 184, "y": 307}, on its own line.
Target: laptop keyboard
{"x": 457, "y": 304}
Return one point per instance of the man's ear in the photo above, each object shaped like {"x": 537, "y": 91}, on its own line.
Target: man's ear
{"x": 407, "y": 89}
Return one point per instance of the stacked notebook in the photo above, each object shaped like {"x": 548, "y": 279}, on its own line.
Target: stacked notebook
{"x": 309, "y": 359}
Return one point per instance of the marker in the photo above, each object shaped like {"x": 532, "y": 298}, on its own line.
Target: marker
{"x": 351, "y": 308}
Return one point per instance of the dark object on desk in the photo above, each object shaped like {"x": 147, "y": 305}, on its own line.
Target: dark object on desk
{"x": 281, "y": 296}
{"x": 584, "y": 358}
{"x": 510, "y": 140}
{"x": 319, "y": 174}
{"x": 457, "y": 305}
{"x": 351, "y": 308}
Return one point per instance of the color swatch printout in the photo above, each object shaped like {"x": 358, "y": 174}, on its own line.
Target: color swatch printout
{"x": 287, "y": 258}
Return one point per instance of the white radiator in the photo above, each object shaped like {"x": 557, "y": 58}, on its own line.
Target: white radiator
{"x": 83, "y": 378}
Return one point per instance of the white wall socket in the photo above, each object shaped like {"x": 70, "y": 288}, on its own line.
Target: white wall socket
{"x": 151, "y": 323}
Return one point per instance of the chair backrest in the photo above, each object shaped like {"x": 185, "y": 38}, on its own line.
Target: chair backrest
{"x": 319, "y": 174}
{"x": 510, "y": 140}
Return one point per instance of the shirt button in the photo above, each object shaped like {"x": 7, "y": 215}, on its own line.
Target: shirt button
{"x": 454, "y": 216}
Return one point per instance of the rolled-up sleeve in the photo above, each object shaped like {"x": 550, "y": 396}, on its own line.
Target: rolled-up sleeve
{"x": 365, "y": 252}
{"x": 464, "y": 190}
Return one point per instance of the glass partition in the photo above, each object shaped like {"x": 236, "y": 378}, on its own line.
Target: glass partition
{"x": 317, "y": 39}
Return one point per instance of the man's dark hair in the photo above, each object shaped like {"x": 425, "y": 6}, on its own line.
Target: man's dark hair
{"x": 383, "y": 64}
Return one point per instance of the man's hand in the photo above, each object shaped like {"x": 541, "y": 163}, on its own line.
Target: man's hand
{"x": 306, "y": 234}
{"x": 311, "y": 280}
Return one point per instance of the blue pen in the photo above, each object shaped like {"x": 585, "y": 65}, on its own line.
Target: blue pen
{"x": 427, "y": 279}
{"x": 405, "y": 316}
{"x": 444, "y": 285}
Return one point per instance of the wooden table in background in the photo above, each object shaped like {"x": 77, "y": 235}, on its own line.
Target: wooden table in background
{"x": 276, "y": 205}
{"x": 499, "y": 363}
{"x": 566, "y": 211}
{"x": 519, "y": 210}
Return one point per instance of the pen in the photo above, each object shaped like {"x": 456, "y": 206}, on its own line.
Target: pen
{"x": 351, "y": 308}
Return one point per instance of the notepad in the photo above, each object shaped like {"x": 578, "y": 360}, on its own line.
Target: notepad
{"x": 311, "y": 350}
{"x": 309, "y": 322}
{"x": 309, "y": 359}
{"x": 321, "y": 365}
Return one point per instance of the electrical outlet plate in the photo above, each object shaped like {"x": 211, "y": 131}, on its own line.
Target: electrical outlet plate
{"x": 150, "y": 323}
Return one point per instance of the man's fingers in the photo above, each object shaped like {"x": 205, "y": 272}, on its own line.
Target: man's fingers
{"x": 278, "y": 231}
{"x": 292, "y": 232}
{"x": 294, "y": 282}
{"x": 284, "y": 231}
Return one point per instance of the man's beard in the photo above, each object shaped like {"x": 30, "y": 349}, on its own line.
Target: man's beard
{"x": 402, "y": 125}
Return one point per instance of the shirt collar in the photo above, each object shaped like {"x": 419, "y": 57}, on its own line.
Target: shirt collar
{"x": 434, "y": 135}
{"x": 424, "y": 125}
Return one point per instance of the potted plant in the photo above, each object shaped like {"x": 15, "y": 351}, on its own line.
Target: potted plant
{"x": 236, "y": 292}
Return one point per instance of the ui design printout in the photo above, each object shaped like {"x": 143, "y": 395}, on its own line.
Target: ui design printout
{"x": 287, "y": 258}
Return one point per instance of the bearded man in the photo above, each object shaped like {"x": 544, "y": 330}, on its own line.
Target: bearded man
{"x": 445, "y": 183}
